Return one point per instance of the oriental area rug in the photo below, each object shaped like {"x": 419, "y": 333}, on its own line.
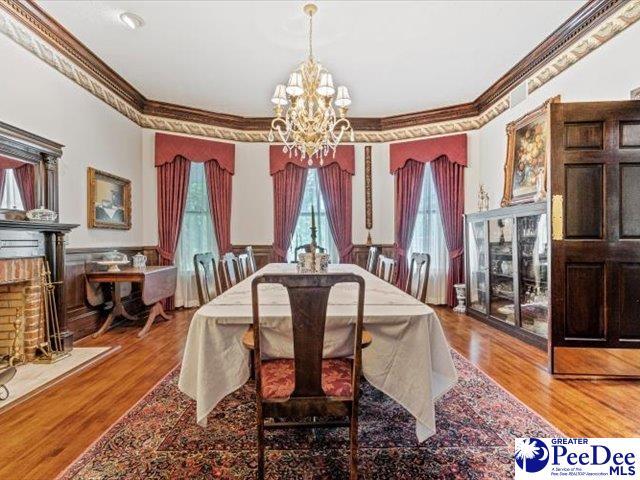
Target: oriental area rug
{"x": 477, "y": 422}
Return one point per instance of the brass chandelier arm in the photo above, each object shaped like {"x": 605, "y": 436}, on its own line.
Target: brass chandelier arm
{"x": 306, "y": 121}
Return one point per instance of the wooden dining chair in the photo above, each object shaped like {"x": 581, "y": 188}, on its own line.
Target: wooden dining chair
{"x": 253, "y": 268}
{"x": 207, "y": 277}
{"x": 308, "y": 385}
{"x": 386, "y": 269}
{"x": 243, "y": 266}
{"x": 230, "y": 269}
{"x": 418, "y": 277}
{"x": 372, "y": 259}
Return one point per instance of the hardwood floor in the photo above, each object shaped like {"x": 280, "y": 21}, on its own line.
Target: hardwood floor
{"x": 579, "y": 408}
{"x": 41, "y": 436}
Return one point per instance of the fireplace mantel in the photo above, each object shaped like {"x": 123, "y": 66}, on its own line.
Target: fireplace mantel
{"x": 48, "y": 227}
{"x": 28, "y": 239}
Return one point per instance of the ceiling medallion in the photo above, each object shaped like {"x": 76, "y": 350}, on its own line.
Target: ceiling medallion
{"x": 306, "y": 121}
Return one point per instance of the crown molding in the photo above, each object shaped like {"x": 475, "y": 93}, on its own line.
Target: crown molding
{"x": 592, "y": 25}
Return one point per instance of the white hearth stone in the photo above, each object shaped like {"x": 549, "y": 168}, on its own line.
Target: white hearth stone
{"x": 32, "y": 376}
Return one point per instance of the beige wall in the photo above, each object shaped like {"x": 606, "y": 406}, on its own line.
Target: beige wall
{"x": 36, "y": 98}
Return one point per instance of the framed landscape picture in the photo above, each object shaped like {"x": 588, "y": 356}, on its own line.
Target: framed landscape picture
{"x": 525, "y": 169}
{"x": 109, "y": 200}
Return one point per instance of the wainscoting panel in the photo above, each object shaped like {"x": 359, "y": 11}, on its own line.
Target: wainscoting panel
{"x": 83, "y": 319}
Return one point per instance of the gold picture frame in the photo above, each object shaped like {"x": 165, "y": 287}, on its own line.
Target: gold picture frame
{"x": 528, "y": 150}
{"x": 108, "y": 200}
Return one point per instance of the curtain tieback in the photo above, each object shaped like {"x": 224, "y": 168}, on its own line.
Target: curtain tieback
{"x": 456, "y": 253}
{"x": 346, "y": 251}
{"x": 165, "y": 254}
{"x": 279, "y": 251}
{"x": 400, "y": 252}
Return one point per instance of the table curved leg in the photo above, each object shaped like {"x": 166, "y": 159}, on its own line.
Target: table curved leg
{"x": 106, "y": 325}
{"x": 156, "y": 311}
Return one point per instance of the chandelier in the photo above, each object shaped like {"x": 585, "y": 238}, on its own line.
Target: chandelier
{"x": 305, "y": 120}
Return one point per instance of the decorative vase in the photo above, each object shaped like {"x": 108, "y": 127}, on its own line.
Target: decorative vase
{"x": 461, "y": 295}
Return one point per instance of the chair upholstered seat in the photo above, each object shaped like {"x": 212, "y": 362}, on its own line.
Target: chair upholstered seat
{"x": 278, "y": 377}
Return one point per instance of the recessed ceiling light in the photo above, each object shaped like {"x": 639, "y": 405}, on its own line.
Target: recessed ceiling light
{"x": 131, "y": 20}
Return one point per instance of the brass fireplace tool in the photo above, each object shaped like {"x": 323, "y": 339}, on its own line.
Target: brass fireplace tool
{"x": 51, "y": 349}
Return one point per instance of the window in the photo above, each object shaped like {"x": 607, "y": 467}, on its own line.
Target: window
{"x": 428, "y": 237}
{"x": 11, "y": 198}
{"x": 302, "y": 233}
{"x": 196, "y": 236}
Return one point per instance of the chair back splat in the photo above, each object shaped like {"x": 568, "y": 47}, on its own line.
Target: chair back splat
{"x": 372, "y": 259}
{"x": 231, "y": 269}
{"x": 244, "y": 266}
{"x": 418, "y": 278}
{"x": 207, "y": 276}
{"x": 309, "y": 297}
{"x": 386, "y": 269}
{"x": 253, "y": 268}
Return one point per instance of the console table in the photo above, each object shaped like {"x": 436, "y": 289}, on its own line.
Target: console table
{"x": 156, "y": 282}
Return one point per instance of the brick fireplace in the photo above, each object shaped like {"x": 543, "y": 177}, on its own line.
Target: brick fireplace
{"x": 21, "y": 314}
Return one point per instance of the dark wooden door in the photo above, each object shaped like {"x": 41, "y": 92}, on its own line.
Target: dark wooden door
{"x": 595, "y": 202}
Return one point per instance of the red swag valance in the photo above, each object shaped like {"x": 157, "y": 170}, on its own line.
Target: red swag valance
{"x": 453, "y": 146}
{"x": 194, "y": 150}
{"x": 6, "y": 162}
{"x": 345, "y": 157}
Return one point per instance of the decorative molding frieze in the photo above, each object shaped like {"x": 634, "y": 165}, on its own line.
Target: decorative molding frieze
{"x": 29, "y": 26}
{"x": 596, "y": 37}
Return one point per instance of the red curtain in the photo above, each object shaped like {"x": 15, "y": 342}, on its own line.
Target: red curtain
{"x": 335, "y": 184}
{"x": 288, "y": 187}
{"x": 219, "y": 189}
{"x": 408, "y": 188}
{"x": 173, "y": 185}
{"x": 448, "y": 178}
{"x": 26, "y": 180}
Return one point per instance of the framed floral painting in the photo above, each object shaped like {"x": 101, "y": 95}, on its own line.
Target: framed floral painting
{"x": 525, "y": 169}
{"x": 109, "y": 202}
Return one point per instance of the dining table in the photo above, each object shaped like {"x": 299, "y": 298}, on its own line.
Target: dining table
{"x": 409, "y": 358}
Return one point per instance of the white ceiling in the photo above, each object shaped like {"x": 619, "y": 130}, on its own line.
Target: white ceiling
{"x": 395, "y": 57}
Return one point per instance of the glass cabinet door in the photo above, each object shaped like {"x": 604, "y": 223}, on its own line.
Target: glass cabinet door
{"x": 477, "y": 266}
{"x": 501, "y": 269}
{"x": 533, "y": 265}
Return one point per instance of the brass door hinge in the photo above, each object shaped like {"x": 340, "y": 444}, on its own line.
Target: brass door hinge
{"x": 557, "y": 221}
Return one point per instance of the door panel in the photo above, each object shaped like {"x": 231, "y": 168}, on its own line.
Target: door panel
{"x": 630, "y": 200}
{"x": 594, "y": 180}
{"x": 584, "y": 302}
{"x": 583, "y": 136}
{"x": 629, "y": 134}
{"x": 583, "y": 199}
{"x": 629, "y": 282}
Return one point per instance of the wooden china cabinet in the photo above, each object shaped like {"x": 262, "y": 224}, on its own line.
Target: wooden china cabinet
{"x": 507, "y": 270}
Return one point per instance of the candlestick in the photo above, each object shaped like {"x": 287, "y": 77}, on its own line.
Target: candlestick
{"x": 313, "y": 228}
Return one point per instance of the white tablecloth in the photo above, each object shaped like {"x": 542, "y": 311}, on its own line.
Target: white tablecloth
{"x": 409, "y": 358}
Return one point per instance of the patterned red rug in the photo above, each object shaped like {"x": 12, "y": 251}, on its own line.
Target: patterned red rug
{"x": 477, "y": 422}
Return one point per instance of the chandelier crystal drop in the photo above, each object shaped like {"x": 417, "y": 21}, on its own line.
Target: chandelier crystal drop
{"x": 306, "y": 122}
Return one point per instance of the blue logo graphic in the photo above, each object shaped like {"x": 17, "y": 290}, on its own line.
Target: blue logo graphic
{"x": 532, "y": 455}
